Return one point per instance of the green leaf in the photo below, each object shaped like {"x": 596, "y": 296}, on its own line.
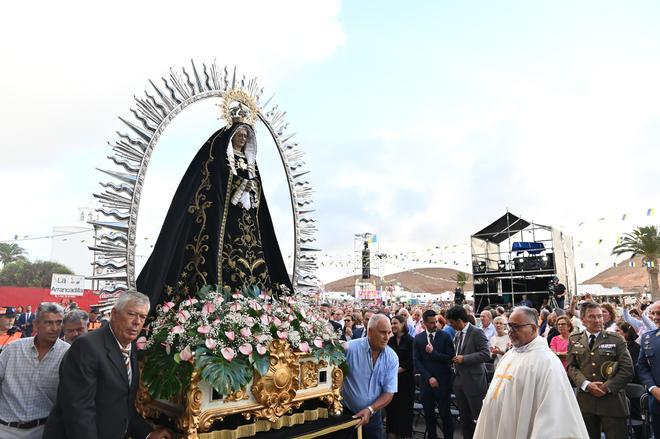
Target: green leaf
{"x": 163, "y": 376}
{"x": 204, "y": 291}
{"x": 261, "y": 363}
{"x": 225, "y": 376}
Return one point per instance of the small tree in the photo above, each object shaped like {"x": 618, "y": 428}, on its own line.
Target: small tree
{"x": 23, "y": 273}
{"x": 644, "y": 242}
{"x": 11, "y": 253}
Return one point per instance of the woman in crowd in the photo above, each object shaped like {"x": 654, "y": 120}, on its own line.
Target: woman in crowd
{"x": 559, "y": 343}
{"x": 358, "y": 327}
{"x": 629, "y": 334}
{"x": 347, "y": 330}
{"x": 608, "y": 317}
{"x": 400, "y": 410}
{"x": 499, "y": 343}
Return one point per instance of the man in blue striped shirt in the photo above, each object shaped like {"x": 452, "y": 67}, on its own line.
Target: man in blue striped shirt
{"x": 372, "y": 376}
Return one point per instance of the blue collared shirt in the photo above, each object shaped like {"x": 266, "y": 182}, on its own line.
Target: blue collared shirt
{"x": 366, "y": 381}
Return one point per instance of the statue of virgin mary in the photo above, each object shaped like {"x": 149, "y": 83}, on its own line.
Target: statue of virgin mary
{"x": 218, "y": 230}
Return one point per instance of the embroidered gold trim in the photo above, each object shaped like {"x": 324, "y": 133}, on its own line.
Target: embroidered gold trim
{"x": 222, "y": 227}
{"x": 198, "y": 208}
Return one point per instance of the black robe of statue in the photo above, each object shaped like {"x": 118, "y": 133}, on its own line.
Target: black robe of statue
{"x": 206, "y": 239}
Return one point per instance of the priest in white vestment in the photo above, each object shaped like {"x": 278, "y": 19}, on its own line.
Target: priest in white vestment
{"x": 530, "y": 396}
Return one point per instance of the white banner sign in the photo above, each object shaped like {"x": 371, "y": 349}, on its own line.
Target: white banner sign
{"x": 67, "y": 285}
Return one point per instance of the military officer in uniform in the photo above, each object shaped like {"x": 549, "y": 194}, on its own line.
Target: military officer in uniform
{"x": 600, "y": 366}
{"x": 648, "y": 367}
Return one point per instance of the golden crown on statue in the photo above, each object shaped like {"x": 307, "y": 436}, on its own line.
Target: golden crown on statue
{"x": 239, "y": 107}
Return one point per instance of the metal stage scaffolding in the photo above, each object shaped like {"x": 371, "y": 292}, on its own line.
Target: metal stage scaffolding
{"x": 512, "y": 257}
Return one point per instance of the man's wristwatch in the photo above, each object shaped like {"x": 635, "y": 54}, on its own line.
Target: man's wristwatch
{"x": 371, "y": 410}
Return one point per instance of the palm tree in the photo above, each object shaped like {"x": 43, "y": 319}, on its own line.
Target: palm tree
{"x": 644, "y": 242}
{"x": 11, "y": 253}
{"x": 461, "y": 279}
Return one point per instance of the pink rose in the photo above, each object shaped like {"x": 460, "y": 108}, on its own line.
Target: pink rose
{"x": 264, "y": 319}
{"x": 167, "y": 306}
{"x": 245, "y": 332}
{"x": 250, "y": 321}
{"x": 186, "y": 354}
{"x": 291, "y": 317}
{"x": 282, "y": 335}
{"x": 204, "y": 329}
{"x": 218, "y": 300}
{"x": 277, "y": 322}
{"x": 141, "y": 343}
{"x": 245, "y": 349}
{"x": 230, "y": 335}
{"x": 235, "y": 306}
{"x": 189, "y": 302}
{"x": 228, "y": 353}
{"x": 236, "y": 295}
{"x": 178, "y": 329}
{"x": 261, "y": 349}
{"x": 216, "y": 322}
{"x": 262, "y": 338}
{"x": 211, "y": 343}
{"x": 304, "y": 346}
{"x": 318, "y": 342}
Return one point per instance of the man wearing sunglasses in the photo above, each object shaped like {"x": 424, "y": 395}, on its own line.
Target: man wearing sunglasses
{"x": 529, "y": 396}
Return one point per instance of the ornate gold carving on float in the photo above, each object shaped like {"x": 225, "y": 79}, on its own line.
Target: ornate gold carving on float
{"x": 292, "y": 378}
{"x": 237, "y": 396}
{"x": 189, "y": 420}
{"x": 333, "y": 400}
{"x": 277, "y": 389}
{"x": 309, "y": 374}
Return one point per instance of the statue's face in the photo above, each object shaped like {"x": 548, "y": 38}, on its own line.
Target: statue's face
{"x": 240, "y": 139}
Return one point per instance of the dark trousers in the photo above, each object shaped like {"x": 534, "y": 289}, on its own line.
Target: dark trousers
{"x": 374, "y": 429}
{"x": 655, "y": 423}
{"x": 613, "y": 427}
{"x": 469, "y": 407}
{"x": 439, "y": 396}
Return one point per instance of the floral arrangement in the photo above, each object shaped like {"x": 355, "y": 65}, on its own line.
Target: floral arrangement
{"x": 224, "y": 334}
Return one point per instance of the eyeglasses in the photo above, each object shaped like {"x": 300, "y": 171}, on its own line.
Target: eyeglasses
{"x": 516, "y": 326}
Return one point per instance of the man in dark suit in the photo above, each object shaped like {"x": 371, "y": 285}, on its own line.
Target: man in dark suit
{"x": 25, "y": 322}
{"x": 99, "y": 378}
{"x": 648, "y": 367}
{"x": 433, "y": 352}
{"x": 472, "y": 352}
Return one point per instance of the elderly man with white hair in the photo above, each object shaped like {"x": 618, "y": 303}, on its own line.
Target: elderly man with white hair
{"x": 99, "y": 380}
{"x": 372, "y": 376}
{"x": 530, "y": 396}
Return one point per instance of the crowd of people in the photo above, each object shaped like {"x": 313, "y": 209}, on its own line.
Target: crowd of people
{"x": 509, "y": 372}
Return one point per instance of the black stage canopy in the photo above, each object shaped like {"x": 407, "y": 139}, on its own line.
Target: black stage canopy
{"x": 497, "y": 232}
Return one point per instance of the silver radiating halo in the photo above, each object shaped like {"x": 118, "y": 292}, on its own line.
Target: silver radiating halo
{"x": 132, "y": 150}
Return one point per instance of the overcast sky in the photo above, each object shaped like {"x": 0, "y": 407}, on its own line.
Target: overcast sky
{"x": 422, "y": 122}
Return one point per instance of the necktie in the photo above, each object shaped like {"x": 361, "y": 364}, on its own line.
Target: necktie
{"x": 430, "y": 338}
{"x": 459, "y": 341}
{"x": 592, "y": 340}
{"x": 126, "y": 353}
